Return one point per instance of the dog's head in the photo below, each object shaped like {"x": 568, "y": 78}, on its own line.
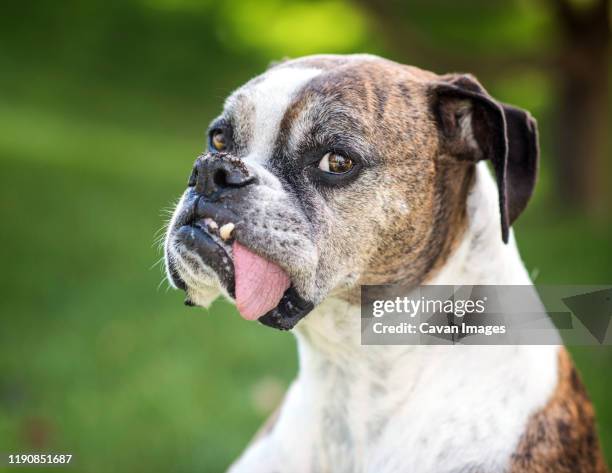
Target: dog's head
{"x": 328, "y": 172}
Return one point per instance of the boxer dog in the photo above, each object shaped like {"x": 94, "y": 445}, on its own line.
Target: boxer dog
{"x": 330, "y": 172}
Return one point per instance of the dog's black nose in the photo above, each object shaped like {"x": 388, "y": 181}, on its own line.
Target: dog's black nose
{"x": 216, "y": 172}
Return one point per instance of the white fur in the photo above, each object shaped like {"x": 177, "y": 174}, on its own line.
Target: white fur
{"x": 270, "y": 96}
{"x": 388, "y": 409}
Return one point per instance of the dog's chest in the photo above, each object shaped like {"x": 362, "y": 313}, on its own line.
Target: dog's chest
{"x": 438, "y": 409}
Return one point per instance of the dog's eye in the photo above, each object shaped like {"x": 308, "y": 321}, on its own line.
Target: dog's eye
{"x": 335, "y": 163}
{"x": 218, "y": 140}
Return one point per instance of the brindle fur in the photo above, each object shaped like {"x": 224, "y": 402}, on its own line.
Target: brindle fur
{"x": 389, "y": 107}
{"x": 561, "y": 437}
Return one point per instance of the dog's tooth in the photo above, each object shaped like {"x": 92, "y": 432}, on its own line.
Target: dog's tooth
{"x": 226, "y": 231}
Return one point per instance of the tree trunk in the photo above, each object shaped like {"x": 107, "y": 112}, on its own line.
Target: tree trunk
{"x": 583, "y": 102}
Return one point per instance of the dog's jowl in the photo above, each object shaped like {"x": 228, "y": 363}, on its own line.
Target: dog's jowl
{"x": 330, "y": 172}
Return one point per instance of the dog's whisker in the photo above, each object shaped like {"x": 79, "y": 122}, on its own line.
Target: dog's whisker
{"x": 159, "y": 262}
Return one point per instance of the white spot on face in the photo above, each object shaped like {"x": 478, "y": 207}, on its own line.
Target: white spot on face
{"x": 270, "y": 98}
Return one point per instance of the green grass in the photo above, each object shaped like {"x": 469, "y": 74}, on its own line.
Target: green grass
{"x": 97, "y": 357}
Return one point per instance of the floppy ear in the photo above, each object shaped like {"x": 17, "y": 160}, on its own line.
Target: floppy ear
{"x": 474, "y": 126}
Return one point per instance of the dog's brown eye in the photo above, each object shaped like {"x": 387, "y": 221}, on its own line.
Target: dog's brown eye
{"x": 218, "y": 141}
{"x": 335, "y": 163}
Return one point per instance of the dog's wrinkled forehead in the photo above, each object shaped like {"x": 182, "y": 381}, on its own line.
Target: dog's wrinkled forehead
{"x": 329, "y": 98}
{"x": 257, "y": 109}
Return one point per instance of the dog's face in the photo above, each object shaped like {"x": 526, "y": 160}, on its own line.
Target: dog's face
{"x": 332, "y": 171}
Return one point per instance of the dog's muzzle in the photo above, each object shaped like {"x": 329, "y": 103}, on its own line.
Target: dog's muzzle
{"x": 217, "y": 185}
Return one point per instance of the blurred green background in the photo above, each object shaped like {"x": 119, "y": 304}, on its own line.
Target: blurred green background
{"x": 103, "y": 108}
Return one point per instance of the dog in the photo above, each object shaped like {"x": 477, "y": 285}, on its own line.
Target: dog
{"x": 330, "y": 172}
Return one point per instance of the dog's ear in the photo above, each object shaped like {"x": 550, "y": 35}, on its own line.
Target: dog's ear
{"x": 474, "y": 126}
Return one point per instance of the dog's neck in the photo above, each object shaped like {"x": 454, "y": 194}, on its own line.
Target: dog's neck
{"x": 353, "y": 406}
{"x": 480, "y": 258}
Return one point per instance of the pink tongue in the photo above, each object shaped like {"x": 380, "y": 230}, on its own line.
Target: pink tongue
{"x": 260, "y": 284}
